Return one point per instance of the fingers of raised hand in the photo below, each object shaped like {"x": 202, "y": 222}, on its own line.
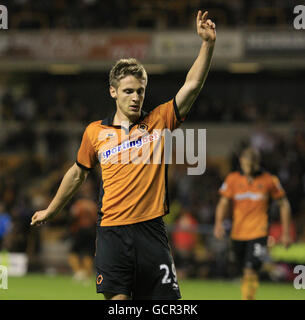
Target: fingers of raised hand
{"x": 203, "y": 21}
{"x": 210, "y": 24}
{"x": 200, "y": 17}
{"x": 204, "y": 17}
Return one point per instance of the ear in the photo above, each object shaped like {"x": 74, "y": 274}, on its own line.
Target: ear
{"x": 113, "y": 92}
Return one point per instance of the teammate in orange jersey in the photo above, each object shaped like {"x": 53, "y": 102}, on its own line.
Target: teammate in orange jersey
{"x": 249, "y": 191}
{"x": 133, "y": 258}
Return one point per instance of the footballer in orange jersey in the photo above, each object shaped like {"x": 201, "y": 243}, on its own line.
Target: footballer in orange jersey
{"x": 133, "y": 258}
{"x": 249, "y": 191}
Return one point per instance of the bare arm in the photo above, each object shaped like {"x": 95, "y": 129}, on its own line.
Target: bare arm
{"x": 221, "y": 210}
{"x": 285, "y": 213}
{"x": 197, "y": 74}
{"x": 70, "y": 183}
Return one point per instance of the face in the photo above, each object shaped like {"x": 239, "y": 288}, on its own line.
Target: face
{"x": 248, "y": 165}
{"x": 129, "y": 96}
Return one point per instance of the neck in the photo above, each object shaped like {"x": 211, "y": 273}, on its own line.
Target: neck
{"x": 249, "y": 177}
{"x": 120, "y": 119}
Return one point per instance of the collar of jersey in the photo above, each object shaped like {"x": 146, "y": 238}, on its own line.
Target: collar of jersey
{"x": 109, "y": 120}
{"x": 259, "y": 172}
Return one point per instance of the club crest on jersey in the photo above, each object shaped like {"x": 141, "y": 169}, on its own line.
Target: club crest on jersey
{"x": 143, "y": 127}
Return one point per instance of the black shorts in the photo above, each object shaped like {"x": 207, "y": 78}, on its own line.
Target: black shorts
{"x": 249, "y": 254}
{"x": 136, "y": 260}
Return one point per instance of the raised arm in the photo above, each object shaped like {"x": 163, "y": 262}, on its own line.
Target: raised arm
{"x": 70, "y": 183}
{"x": 199, "y": 70}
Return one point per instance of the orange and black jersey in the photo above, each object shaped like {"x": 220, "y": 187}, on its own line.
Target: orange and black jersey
{"x": 250, "y": 202}
{"x": 133, "y": 170}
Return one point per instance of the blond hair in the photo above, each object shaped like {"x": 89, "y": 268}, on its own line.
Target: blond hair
{"x": 124, "y": 68}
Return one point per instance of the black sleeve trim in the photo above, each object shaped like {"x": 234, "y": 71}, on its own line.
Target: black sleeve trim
{"x": 82, "y": 166}
{"x": 177, "y": 111}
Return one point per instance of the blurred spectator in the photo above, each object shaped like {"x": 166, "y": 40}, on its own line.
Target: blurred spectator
{"x": 185, "y": 239}
{"x": 80, "y": 14}
{"x": 275, "y": 233}
{"x": 261, "y": 139}
{"x": 61, "y": 99}
{"x": 9, "y": 192}
{"x": 25, "y": 108}
{"x": 17, "y": 239}
{"x": 5, "y": 223}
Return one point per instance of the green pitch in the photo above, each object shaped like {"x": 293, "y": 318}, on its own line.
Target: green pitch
{"x": 59, "y": 287}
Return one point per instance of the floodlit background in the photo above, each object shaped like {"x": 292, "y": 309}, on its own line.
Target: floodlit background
{"x": 54, "y": 64}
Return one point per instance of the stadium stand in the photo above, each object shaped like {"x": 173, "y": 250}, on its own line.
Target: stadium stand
{"x": 163, "y": 14}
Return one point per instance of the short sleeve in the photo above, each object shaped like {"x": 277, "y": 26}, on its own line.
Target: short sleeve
{"x": 226, "y": 189}
{"x": 86, "y": 156}
{"x": 170, "y": 114}
{"x": 276, "y": 189}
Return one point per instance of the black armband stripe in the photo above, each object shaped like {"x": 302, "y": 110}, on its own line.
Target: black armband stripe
{"x": 177, "y": 111}
{"x": 83, "y": 167}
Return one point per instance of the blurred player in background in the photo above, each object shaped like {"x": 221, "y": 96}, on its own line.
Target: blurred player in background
{"x": 84, "y": 213}
{"x": 249, "y": 191}
{"x": 82, "y": 230}
{"x": 133, "y": 258}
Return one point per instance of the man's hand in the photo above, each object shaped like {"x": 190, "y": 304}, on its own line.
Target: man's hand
{"x": 286, "y": 240}
{"x": 205, "y": 27}
{"x": 40, "y": 217}
{"x": 222, "y": 208}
